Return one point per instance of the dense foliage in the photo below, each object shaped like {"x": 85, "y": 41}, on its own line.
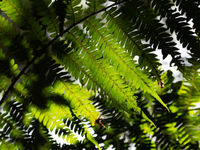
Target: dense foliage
{"x": 87, "y": 72}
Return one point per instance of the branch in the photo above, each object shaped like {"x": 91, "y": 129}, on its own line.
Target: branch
{"x": 44, "y": 48}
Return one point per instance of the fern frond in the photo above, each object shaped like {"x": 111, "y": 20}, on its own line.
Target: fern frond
{"x": 60, "y": 10}
{"x": 8, "y": 69}
{"x": 92, "y": 60}
{"x": 118, "y": 89}
{"x": 153, "y": 31}
{"x": 178, "y": 131}
{"x": 74, "y": 11}
{"x": 190, "y": 91}
{"x": 46, "y": 15}
{"x": 5, "y": 65}
{"x": 45, "y": 48}
{"x": 120, "y": 59}
{"x": 19, "y": 13}
{"x": 176, "y": 22}
{"x": 5, "y": 125}
{"x": 54, "y": 119}
{"x": 95, "y": 5}
{"x": 57, "y": 73}
{"x": 59, "y": 84}
{"x": 7, "y": 31}
{"x": 192, "y": 10}
{"x": 13, "y": 42}
{"x": 117, "y": 126}
{"x": 74, "y": 68}
{"x": 130, "y": 38}
{"x": 53, "y": 116}
{"x": 14, "y": 10}
{"x": 15, "y": 133}
{"x": 78, "y": 99}
{"x": 4, "y": 82}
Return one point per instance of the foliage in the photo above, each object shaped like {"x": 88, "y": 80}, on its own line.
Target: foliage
{"x": 87, "y": 72}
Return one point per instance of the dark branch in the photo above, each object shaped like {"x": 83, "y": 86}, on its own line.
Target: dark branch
{"x": 44, "y": 48}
